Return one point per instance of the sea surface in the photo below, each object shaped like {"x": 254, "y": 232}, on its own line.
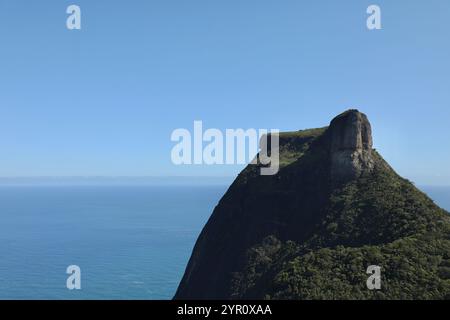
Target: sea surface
{"x": 131, "y": 242}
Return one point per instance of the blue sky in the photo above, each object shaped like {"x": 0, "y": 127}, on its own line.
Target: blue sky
{"x": 104, "y": 100}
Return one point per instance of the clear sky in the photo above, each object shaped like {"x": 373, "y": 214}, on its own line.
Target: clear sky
{"x": 104, "y": 100}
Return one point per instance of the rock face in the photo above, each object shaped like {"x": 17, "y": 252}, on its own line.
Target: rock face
{"x": 351, "y": 145}
{"x": 334, "y": 208}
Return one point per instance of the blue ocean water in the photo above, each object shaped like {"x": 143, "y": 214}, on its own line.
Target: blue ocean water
{"x": 440, "y": 195}
{"x": 131, "y": 242}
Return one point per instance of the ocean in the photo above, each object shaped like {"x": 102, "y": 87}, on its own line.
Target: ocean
{"x": 130, "y": 242}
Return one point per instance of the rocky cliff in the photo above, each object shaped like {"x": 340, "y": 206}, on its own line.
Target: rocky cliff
{"x": 310, "y": 231}
{"x": 351, "y": 145}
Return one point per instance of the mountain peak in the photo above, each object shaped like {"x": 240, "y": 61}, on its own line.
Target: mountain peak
{"x": 351, "y": 130}
{"x": 309, "y": 232}
{"x": 351, "y": 145}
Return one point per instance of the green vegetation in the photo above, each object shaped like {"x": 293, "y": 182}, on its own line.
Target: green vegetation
{"x": 412, "y": 268}
{"x": 293, "y": 145}
{"x": 378, "y": 219}
{"x": 311, "y": 231}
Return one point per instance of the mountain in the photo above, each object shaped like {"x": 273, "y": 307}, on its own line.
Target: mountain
{"x": 309, "y": 232}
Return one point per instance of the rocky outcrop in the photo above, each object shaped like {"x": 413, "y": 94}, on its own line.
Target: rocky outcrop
{"x": 351, "y": 146}
{"x": 285, "y": 236}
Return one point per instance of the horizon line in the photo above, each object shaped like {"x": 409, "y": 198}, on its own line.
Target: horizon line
{"x": 87, "y": 178}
